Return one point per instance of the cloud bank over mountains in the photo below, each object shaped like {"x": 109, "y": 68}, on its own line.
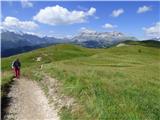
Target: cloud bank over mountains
{"x": 13, "y": 23}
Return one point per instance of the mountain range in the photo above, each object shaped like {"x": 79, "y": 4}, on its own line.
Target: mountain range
{"x": 18, "y": 42}
{"x": 13, "y": 43}
{"x": 100, "y": 39}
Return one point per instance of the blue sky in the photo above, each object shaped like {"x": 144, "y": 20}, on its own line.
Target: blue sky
{"x": 139, "y": 19}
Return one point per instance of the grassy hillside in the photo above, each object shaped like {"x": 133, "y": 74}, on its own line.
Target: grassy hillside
{"x": 48, "y": 55}
{"x": 119, "y": 83}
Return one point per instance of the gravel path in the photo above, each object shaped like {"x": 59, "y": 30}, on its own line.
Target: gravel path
{"x": 28, "y": 102}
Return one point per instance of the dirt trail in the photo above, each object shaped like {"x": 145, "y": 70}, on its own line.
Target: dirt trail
{"x": 28, "y": 102}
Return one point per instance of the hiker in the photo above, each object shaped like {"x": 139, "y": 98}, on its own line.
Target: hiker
{"x": 16, "y": 67}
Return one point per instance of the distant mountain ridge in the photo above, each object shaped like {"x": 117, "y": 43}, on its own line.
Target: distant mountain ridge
{"x": 13, "y": 42}
{"x": 10, "y": 40}
{"x": 100, "y": 39}
{"x": 18, "y": 42}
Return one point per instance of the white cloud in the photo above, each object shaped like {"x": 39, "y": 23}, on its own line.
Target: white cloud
{"x": 153, "y": 31}
{"x": 15, "y": 23}
{"x": 109, "y": 26}
{"x": 26, "y": 3}
{"x": 91, "y": 11}
{"x": 36, "y": 34}
{"x": 144, "y": 9}
{"x": 57, "y": 15}
{"x": 86, "y": 30}
{"x": 118, "y": 12}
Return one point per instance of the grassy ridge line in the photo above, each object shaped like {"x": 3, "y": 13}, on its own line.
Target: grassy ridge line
{"x": 49, "y": 54}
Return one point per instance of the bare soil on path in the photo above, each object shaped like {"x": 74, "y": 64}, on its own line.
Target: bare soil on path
{"x": 28, "y": 102}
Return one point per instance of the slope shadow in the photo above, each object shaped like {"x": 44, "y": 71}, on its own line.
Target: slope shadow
{"x": 5, "y": 100}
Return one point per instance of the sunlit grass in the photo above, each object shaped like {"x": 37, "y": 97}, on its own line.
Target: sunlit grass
{"x": 125, "y": 87}
{"x": 118, "y": 83}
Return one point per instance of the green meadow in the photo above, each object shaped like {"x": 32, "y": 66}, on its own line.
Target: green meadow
{"x": 117, "y": 83}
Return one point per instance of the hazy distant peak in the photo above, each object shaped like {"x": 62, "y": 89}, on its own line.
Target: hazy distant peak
{"x": 90, "y": 32}
{"x": 13, "y": 31}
